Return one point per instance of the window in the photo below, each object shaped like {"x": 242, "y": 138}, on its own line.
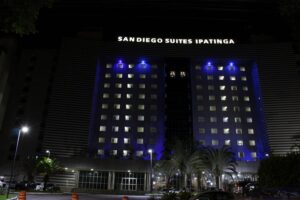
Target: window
{"x": 224, "y": 108}
{"x": 202, "y": 142}
{"x": 106, "y": 85}
{"x": 126, "y": 141}
{"x": 182, "y": 74}
{"x": 247, "y": 109}
{"x": 101, "y": 139}
{"x": 244, "y": 78}
{"x": 141, "y": 118}
{"x": 250, "y": 131}
{"x": 140, "y": 141}
{"x": 154, "y": 76}
{"x": 127, "y": 117}
{"x": 115, "y": 129}
{"x": 201, "y": 130}
{"x": 117, "y": 106}
{"x": 142, "y": 86}
{"x": 199, "y": 97}
{"x": 140, "y": 129}
{"x": 153, "y": 129}
{"x": 104, "y": 106}
{"x": 200, "y": 108}
{"x": 198, "y": 67}
{"x": 153, "y": 86}
{"x": 153, "y": 107}
{"x": 116, "y": 117}
{"x": 127, "y": 129}
{"x": 103, "y": 117}
{"x": 246, "y": 98}
{"x": 213, "y": 130}
{"x": 237, "y": 120}
{"x": 114, "y": 140}
{"x": 213, "y": 119}
{"x": 172, "y": 74}
{"x": 211, "y": 87}
{"x": 249, "y": 120}
{"x": 220, "y": 68}
{"x": 241, "y": 154}
{"x": 245, "y": 88}
{"x": 221, "y": 78}
{"x": 211, "y": 97}
{"x": 125, "y": 152}
{"x": 210, "y": 78}
{"x": 236, "y": 108}
{"x": 225, "y": 119}
{"x": 108, "y": 66}
{"x": 235, "y": 98}
{"x": 223, "y": 98}
{"x": 234, "y": 88}
{"x": 130, "y": 76}
{"x": 198, "y": 77}
{"x": 130, "y": 66}
{"x": 253, "y": 155}
{"x": 240, "y": 142}
{"x": 141, "y": 107}
{"x": 153, "y": 96}
{"x": 105, "y": 96}
{"x": 251, "y": 142}
{"x": 117, "y": 96}
{"x": 129, "y": 96}
{"x": 201, "y": 119}
{"x": 227, "y": 142}
{"x": 119, "y": 75}
{"x": 128, "y": 106}
{"x": 153, "y": 118}
{"x": 142, "y": 96}
{"x": 226, "y": 130}
{"x": 212, "y": 108}
{"x": 199, "y": 87}
{"x": 114, "y": 152}
{"x": 232, "y": 78}
{"x": 118, "y": 85}
{"x": 107, "y": 75}
{"x": 129, "y": 85}
{"x": 102, "y": 128}
{"x": 139, "y": 153}
{"x": 142, "y": 76}
{"x": 154, "y": 66}
{"x": 242, "y": 69}
{"x": 238, "y": 131}
{"x": 222, "y": 87}
{"x": 215, "y": 142}
{"x": 100, "y": 152}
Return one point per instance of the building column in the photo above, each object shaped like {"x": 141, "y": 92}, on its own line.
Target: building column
{"x": 109, "y": 181}
{"x": 113, "y": 176}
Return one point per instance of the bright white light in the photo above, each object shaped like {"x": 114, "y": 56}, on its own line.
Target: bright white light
{"x": 150, "y": 151}
{"x": 25, "y": 129}
{"x": 47, "y": 151}
{"x": 92, "y": 169}
{"x": 66, "y": 168}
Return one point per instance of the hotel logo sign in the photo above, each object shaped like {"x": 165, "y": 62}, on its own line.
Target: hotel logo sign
{"x": 183, "y": 41}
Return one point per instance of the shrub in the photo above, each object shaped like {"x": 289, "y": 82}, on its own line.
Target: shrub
{"x": 169, "y": 196}
{"x": 184, "y": 195}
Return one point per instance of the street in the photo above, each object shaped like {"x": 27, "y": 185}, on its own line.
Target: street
{"x": 82, "y": 197}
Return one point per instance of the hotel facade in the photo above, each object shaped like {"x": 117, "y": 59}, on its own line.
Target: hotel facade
{"x": 116, "y": 106}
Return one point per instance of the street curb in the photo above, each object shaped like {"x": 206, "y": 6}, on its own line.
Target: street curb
{"x": 14, "y": 198}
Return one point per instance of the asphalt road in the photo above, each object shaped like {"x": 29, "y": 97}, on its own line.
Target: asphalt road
{"x": 82, "y": 197}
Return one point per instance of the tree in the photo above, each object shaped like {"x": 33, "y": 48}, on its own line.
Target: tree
{"x": 217, "y": 162}
{"x": 30, "y": 166}
{"x": 47, "y": 166}
{"x": 166, "y": 168}
{"x": 19, "y": 16}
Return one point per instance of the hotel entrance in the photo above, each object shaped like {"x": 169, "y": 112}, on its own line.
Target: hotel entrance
{"x": 129, "y": 184}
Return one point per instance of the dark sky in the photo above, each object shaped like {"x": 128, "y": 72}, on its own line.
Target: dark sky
{"x": 189, "y": 18}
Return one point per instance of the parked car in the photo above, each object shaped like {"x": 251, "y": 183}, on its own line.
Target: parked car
{"x": 2, "y": 183}
{"x": 25, "y": 185}
{"x": 49, "y": 187}
{"x": 214, "y": 195}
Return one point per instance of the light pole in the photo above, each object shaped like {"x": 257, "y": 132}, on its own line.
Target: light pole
{"x": 150, "y": 151}
{"x": 48, "y": 152}
{"x": 23, "y": 129}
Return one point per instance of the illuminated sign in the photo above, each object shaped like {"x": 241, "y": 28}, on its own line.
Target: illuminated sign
{"x": 184, "y": 41}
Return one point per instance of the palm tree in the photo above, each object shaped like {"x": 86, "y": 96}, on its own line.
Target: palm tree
{"x": 47, "y": 166}
{"x": 217, "y": 162}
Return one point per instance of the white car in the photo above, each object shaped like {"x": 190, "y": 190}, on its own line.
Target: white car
{"x": 39, "y": 187}
{"x": 2, "y": 183}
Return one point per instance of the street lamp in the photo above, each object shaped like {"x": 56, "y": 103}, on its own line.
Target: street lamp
{"x": 150, "y": 151}
{"x": 23, "y": 129}
{"x": 48, "y": 152}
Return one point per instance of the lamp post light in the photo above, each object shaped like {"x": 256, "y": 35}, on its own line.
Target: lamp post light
{"x": 150, "y": 151}
{"x": 48, "y": 153}
{"x": 23, "y": 129}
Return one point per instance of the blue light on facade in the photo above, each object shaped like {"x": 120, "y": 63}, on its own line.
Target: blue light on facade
{"x": 143, "y": 66}
{"x": 231, "y": 67}
{"x": 120, "y": 65}
{"x": 209, "y": 68}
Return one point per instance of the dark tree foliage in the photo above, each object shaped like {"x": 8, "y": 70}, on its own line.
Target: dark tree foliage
{"x": 280, "y": 171}
{"x": 20, "y": 16}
